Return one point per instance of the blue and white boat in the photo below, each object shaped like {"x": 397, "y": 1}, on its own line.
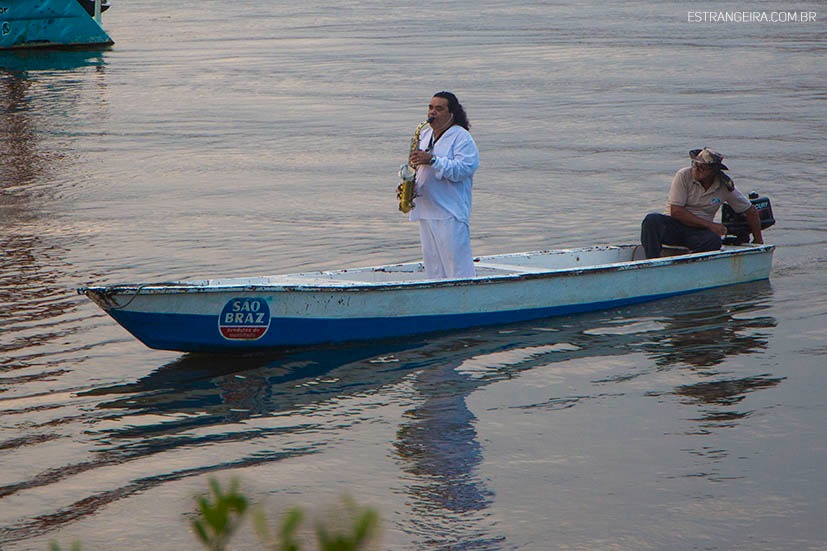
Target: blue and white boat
{"x": 242, "y": 314}
{"x": 52, "y": 23}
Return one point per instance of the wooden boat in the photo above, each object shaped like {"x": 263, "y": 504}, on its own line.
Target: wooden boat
{"x": 398, "y": 300}
{"x": 52, "y": 23}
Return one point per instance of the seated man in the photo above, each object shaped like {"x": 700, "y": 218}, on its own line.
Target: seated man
{"x": 697, "y": 192}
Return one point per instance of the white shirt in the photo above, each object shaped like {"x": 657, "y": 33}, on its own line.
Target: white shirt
{"x": 444, "y": 188}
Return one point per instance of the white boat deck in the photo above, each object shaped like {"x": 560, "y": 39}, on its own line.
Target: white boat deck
{"x": 504, "y": 265}
{"x": 488, "y": 268}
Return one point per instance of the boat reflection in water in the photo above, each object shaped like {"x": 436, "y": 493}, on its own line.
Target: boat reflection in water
{"x": 706, "y": 335}
{"x": 714, "y": 326}
{"x": 284, "y": 405}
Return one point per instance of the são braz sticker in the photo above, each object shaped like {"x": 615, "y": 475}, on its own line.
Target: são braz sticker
{"x": 244, "y": 319}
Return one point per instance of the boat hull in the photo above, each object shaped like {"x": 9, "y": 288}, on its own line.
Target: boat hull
{"x": 307, "y": 309}
{"x": 48, "y": 23}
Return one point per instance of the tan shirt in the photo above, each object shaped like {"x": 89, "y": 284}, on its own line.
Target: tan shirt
{"x": 704, "y": 203}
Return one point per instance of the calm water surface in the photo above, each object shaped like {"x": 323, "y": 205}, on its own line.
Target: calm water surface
{"x": 219, "y": 139}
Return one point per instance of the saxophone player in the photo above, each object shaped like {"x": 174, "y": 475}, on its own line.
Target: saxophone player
{"x": 446, "y": 161}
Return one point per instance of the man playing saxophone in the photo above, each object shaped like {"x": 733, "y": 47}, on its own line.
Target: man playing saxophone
{"x": 446, "y": 161}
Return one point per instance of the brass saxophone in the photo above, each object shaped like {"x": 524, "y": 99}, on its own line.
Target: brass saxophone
{"x": 405, "y": 191}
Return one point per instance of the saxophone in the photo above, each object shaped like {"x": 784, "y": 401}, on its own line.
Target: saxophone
{"x": 407, "y": 173}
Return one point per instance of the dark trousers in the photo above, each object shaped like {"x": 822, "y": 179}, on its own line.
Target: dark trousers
{"x": 659, "y": 229}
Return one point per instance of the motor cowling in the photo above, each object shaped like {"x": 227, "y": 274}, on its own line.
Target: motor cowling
{"x": 736, "y": 224}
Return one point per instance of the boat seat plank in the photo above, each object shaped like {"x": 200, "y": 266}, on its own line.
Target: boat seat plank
{"x": 511, "y": 268}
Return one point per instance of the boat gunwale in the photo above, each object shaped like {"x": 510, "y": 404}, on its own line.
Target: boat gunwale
{"x": 198, "y": 286}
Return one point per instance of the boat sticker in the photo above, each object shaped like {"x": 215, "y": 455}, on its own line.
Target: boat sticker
{"x": 244, "y": 319}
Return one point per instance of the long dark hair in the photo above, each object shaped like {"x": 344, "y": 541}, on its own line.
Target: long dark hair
{"x": 455, "y": 108}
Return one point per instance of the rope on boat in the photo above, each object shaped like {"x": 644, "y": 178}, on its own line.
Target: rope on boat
{"x": 109, "y": 294}
{"x": 110, "y": 298}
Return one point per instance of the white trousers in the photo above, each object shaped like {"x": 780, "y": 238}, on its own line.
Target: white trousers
{"x": 446, "y": 248}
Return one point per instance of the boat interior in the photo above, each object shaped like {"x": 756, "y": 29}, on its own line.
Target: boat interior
{"x": 495, "y": 266}
{"x": 486, "y": 266}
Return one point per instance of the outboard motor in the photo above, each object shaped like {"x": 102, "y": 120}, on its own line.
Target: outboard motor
{"x": 736, "y": 224}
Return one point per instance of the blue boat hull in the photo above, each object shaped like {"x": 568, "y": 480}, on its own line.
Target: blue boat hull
{"x": 48, "y": 23}
{"x": 201, "y": 333}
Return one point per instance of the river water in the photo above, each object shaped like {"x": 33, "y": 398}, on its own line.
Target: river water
{"x": 249, "y": 138}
